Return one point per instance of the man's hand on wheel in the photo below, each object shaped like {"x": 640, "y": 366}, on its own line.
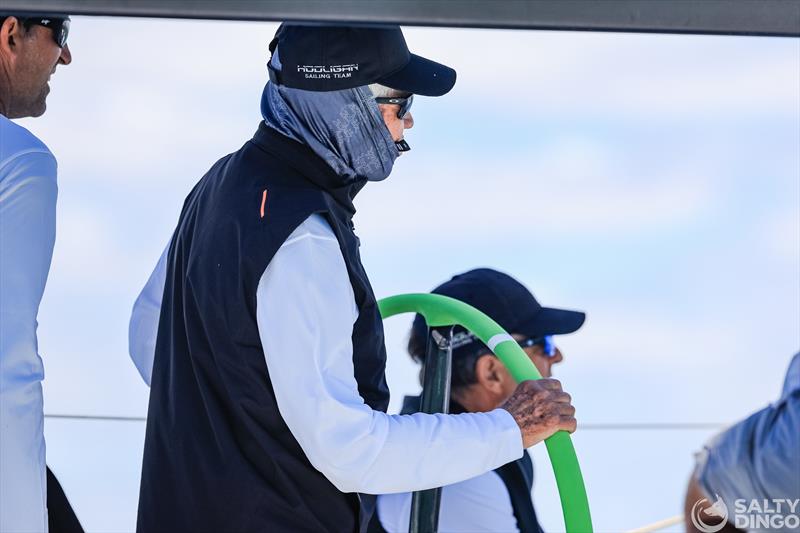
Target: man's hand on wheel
{"x": 541, "y": 408}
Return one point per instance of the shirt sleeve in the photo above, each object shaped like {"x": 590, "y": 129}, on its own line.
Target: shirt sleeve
{"x": 792, "y": 380}
{"x": 757, "y": 458}
{"x": 306, "y": 310}
{"x": 28, "y": 194}
{"x": 143, "y": 326}
{"x": 480, "y": 504}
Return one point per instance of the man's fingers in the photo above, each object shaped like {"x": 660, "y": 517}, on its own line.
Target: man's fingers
{"x": 568, "y": 423}
{"x": 549, "y": 384}
{"x": 541, "y": 408}
{"x": 562, "y": 397}
{"x": 567, "y": 410}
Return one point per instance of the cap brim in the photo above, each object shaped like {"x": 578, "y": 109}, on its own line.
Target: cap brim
{"x": 549, "y": 321}
{"x": 422, "y": 76}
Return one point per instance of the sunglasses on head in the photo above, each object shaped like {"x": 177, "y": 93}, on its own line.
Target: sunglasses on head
{"x": 546, "y": 342}
{"x": 59, "y": 25}
{"x": 404, "y": 103}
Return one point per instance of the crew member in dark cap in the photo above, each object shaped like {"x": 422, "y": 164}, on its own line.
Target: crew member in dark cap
{"x": 498, "y": 500}
{"x": 259, "y": 333}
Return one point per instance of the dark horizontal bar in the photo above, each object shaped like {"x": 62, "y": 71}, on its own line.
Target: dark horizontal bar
{"x": 731, "y": 17}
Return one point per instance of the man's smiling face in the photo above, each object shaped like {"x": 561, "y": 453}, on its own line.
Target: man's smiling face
{"x": 28, "y": 57}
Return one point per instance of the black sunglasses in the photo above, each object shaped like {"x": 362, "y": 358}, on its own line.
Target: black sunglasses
{"x": 403, "y": 102}
{"x": 59, "y": 25}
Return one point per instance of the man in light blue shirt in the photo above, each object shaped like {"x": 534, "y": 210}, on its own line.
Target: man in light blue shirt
{"x": 748, "y": 477}
{"x": 30, "y": 50}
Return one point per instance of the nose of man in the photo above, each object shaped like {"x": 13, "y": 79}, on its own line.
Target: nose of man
{"x": 66, "y": 55}
{"x": 557, "y": 358}
{"x": 408, "y": 121}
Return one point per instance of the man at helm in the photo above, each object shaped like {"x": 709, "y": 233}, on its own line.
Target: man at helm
{"x": 498, "y": 500}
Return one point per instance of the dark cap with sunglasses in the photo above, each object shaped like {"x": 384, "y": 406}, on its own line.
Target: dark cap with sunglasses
{"x": 332, "y": 58}
{"x": 510, "y": 304}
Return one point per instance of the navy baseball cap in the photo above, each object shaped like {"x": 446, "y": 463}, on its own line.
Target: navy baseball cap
{"x": 508, "y": 302}
{"x": 332, "y": 58}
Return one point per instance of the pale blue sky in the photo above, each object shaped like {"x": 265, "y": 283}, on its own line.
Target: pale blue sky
{"x": 650, "y": 180}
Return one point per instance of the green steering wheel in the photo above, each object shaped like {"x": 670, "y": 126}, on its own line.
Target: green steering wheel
{"x": 444, "y": 311}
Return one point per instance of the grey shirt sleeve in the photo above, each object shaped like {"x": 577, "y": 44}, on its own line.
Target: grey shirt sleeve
{"x": 759, "y": 457}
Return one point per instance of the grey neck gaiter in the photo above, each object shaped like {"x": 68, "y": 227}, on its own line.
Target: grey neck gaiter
{"x": 345, "y": 128}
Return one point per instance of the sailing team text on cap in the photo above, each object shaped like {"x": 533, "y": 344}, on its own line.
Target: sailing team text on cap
{"x": 332, "y": 58}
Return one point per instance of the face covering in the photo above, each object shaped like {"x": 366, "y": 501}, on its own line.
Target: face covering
{"x": 345, "y": 128}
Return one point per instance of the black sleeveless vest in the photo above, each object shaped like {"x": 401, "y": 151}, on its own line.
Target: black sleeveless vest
{"x": 218, "y": 456}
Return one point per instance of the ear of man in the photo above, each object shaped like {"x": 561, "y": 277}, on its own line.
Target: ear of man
{"x": 492, "y": 375}
{"x": 11, "y": 33}
{"x": 490, "y": 381}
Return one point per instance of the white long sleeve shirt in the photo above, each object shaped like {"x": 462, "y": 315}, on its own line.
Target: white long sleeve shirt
{"x": 305, "y": 312}
{"x": 477, "y": 505}
{"x": 28, "y": 193}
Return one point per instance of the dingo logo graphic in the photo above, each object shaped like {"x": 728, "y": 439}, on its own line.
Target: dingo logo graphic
{"x": 717, "y": 510}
